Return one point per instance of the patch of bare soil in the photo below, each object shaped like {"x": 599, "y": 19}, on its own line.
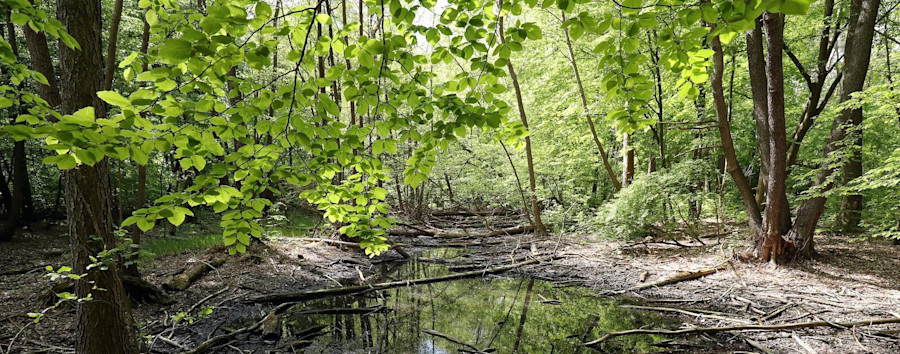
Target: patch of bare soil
{"x": 847, "y": 282}
{"x": 279, "y": 265}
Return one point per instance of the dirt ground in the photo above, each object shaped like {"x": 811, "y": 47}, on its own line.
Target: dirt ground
{"x": 850, "y": 281}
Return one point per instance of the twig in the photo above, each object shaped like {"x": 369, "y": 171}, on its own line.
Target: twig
{"x": 205, "y": 299}
{"x": 688, "y": 312}
{"x": 171, "y": 342}
{"x": 454, "y": 340}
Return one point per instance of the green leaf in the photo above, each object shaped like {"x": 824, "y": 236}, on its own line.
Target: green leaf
{"x": 145, "y": 225}
{"x": 114, "y": 98}
{"x": 66, "y": 162}
{"x": 175, "y": 51}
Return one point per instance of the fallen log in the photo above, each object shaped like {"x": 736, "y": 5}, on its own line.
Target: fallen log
{"x": 340, "y": 311}
{"x": 469, "y": 212}
{"x": 680, "y": 277}
{"x": 498, "y": 232}
{"x": 395, "y": 246}
{"x": 362, "y": 289}
{"x": 189, "y": 276}
{"x": 750, "y": 327}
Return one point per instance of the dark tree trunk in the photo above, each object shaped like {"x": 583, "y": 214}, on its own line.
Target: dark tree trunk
{"x": 627, "y": 160}
{"x": 857, "y": 51}
{"x": 20, "y": 184}
{"x": 104, "y": 324}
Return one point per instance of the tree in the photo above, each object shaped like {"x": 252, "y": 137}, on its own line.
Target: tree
{"x": 104, "y": 323}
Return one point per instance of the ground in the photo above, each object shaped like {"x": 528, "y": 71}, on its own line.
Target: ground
{"x": 850, "y": 281}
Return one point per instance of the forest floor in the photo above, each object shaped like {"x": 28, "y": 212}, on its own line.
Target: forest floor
{"x": 850, "y": 281}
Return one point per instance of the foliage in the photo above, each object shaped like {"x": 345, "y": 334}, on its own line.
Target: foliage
{"x": 652, "y": 200}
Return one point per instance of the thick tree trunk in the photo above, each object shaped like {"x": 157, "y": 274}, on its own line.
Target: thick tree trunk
{"x": 539, "y": 228}
{"x": 856, "y": 63}
{"x": 104, "y": 324}
{"x": 772, "y": 247}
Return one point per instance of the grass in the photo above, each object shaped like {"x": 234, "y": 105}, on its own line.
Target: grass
{"x": 207, "y": 234}
{"x": 175, "y": 245}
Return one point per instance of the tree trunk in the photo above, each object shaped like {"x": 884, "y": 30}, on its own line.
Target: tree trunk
{"x": 772, "y": 247}
{"x": 539, "y": 228}
{"x": 104, "y": 324}
{"x": 731, "y": 162}
{"x": 627, "y": 160}
{"x": 857, "y": 53}
{"x": 140, "y": 198}
{"x": 584, "y": 106}
{"x": 20, "y": 185}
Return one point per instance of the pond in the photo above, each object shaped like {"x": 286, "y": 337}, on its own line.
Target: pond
{"x": 468, "y": 315}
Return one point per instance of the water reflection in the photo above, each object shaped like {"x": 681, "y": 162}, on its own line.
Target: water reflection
{"x": 502, "y": 315}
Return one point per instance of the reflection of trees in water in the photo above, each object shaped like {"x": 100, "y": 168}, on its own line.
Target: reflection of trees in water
{"x": 482, "y": 313}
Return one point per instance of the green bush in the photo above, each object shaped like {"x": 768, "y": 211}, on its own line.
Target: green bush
{"x": 658, "y": 199}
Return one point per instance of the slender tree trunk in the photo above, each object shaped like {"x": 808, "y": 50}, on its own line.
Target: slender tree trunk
{"x": 104, "y": 324}
{"x": 140, "y": 197}
{"x": 587, "y": 113}
{"x": 539, "y": 228}
{"x": 731, "y": 162}
{"x": 112, "y": 45}
{"x": 857, "y": 53}
{"x": 627, "y": 160}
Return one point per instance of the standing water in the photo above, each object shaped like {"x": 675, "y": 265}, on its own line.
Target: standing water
{"x": 468, "y": 315}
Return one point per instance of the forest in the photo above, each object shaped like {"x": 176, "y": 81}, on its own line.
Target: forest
{"x": 441, "y": 176}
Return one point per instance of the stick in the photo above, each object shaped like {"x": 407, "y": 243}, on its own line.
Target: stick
{"x": 680, "y": 277}
{"x": 356, "y": 290}
{"x": 688, "y": 312}
{"x": 171, "y": 342}
{"x": 454, "y": 340}
{"x": 874, "y": 321}
{"x": 205, "y": 299}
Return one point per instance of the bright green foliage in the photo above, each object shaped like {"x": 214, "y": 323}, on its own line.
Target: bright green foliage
{"x": 234, "y": 93}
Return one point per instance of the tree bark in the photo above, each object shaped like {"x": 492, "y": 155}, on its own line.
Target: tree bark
{"x": 140, "y": 198}
{"x": 20, "y": 184}
{"x": 539, "y": 228}
{"x": 772, "y": 246}
{"x": 857, "y": 51}
{"x": 732, "y": 165}
{"x": 584, "y": 106}
{"x": 104, "y": 324}
{"x": 627, "y": 160}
